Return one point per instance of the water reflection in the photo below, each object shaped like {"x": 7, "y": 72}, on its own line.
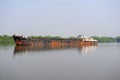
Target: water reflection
{"x": 26, "y": 49}
{"x": 84, "y": 50}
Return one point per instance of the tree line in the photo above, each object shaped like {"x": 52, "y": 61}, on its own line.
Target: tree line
{"x": 8, "y": 40}
{"x": 107, "y": 39}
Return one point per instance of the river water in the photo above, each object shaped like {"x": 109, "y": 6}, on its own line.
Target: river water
{"x": 100, "y": 62}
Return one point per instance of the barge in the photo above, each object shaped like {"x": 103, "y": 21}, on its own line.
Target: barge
{"x": 21, "y": 40}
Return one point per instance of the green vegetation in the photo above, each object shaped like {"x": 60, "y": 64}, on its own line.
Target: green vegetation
{"x": 37, "y": 36}
{"x": 118, "y": 39}
{"x": 8, "y": 40}
{"x": 57, "y": 37}
{"x": 71, "y": 37}
{"x": 49, "y": 37}
{"x": 104, "y": 39}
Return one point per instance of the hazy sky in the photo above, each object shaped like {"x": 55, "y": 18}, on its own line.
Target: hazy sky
{"x": 60, "y": 17}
